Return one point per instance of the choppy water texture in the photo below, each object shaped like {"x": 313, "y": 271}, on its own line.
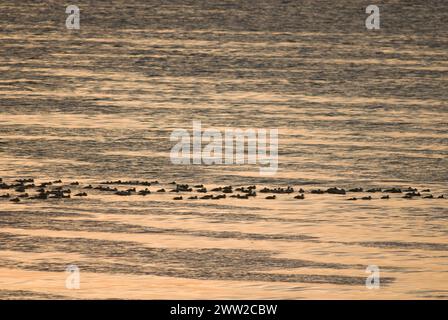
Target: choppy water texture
{"x": 353, "y": 108}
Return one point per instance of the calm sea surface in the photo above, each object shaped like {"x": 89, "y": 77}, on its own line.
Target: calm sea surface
{"x": 354, "y": 108}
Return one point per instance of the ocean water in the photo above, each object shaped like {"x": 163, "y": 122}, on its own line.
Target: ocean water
{"x": 354, "y": 108}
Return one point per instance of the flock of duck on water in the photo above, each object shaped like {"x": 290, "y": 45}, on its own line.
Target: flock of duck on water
{"x": 58, "y": 190}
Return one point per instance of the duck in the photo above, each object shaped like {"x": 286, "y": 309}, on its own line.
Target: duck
{"x": 45, "y": 184}
{"x": 366, "y": 198}
{"x": 373, "y": 190}
{"x": 393, "y": 190}
{"x": 271, "y": 197}
{"x": 178, "y": 198}
{"x": 412, "y": 194}
{"x": 335, "y": 190}
{"x": 20, "y": 189}
{"x": 41, "y": 196}
{"x": 301, "y": 190}
{"x": 81, "y": 194}
{"x": 7, "y": 195}
{"x": 441, "y": 197}
{"x": 183, "y": 187}
{"x": 202, "y": 190}
{"x": 300, "y": 196}
{"x": 144, "y": 192}
{"x": 76, "y": 183}
{"x": 317, "y": 191}
{"x": 123, "y": 193}
{"x": 227, "y": 189}
{"x": 193, "y": 198}
{"x": 251, "y": 193}
{"x": 16, "y": 200}
{"x": 356, "y": 190}
{"x": 352, "y": 199}
{"x": 206, "y": 197}
{"x": 239, "y": 196}
{"x": 385, "y": 197}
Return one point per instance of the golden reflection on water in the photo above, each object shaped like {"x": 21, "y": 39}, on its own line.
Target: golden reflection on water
{"x": 101, "y": 105}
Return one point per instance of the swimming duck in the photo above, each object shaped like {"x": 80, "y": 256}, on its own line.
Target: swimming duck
{"x": 5, "y": 195}
{"x": 227, "y": 189}
{"x": 385, "y": 197}
{"x": 193, "y": 198}
{"x": 251, "y": 193}
{"x": 20, "y": 189}
{"x": 45, "y": 184}
{"x": 82, "y": 194}
{"x": 412, "y": 194}
{"x": 41, "y": 196}
{"x": 101, "y": 188}
{"x": 238, "y": 196}
{"x": 393, "y": 190}
{"x": 271, "y": 197}
{"x": 352, "y": 199}
{"x": 123, "y": 193}
{"x": 161, "y": 190}
{"x": 16, "y": 200}
{"x": 144, "y": 192}
{"x": 300, "y": 196}
{"x": 356, "y": 190}
{"x": 183, "y": 188}
{"x": 335, "y": 190}
{"x": 178, "y": 198}
{"x": 366, "y": 198}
